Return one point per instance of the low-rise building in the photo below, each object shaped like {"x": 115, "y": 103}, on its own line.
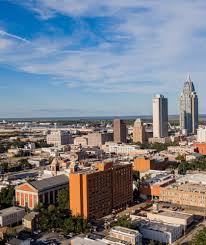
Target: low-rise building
{"x": 31, "y": 221}
{"x": 181, "y": 150}
{"x": 150, "y": 188}
{"x": 143, "y": 164}
{"x": 86, "y": 241}
{"x": 10, "y": 216}
{"x": 122, "y": 235}
{"x": 44, "y": 191}
{"x": 180, "y": 192}
{"x": 160, "y": 231}
{"x": 121, "y": 149}
{"x": 172, "y": 217}
{"x": 200, "y": 148}
{"x": 201, "y": 134}
{"x": 81, "y": 140}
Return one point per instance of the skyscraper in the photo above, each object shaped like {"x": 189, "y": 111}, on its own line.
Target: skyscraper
{"x": 120, "y": 131}
{"x": 160, "y": 116}
{"x": 189, "y": 108}
{"x": 139, "y": 131}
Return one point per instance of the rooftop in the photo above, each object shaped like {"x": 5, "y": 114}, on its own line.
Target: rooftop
{"x": 116, "y": 240}
{"x": 30, "y": 216}
{"x": 51, "y": 182}
{"x": 178, "y": 215}
{"x": 125, "y": 230}
{"x": 156, "y": 226}
{"x": 11, "y": 210}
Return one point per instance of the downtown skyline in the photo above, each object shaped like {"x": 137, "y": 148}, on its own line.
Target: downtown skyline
{"x": 92, "y": 59}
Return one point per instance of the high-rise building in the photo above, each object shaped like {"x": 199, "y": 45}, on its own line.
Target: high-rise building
{"x": 188, "y": 108}
{"x": 120, "y": 131}
{"x": 94, "y": 193}
{"x": 160, "y": 116}
{"x": 139, "y": 134}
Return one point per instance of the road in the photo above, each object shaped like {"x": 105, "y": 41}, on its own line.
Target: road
{"x": 188, "y": 237}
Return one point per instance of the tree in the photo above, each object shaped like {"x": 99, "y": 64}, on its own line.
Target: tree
{"x": 63, "y": 199}
{"x": 199, "y": 238}
{"x": 7, "y": 196}
{"x": 68, "y": 225}
{"x": 136, "y": 175}
{"x": 123, "y": 221}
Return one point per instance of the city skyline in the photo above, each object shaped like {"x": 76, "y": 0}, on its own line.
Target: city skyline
{"x": 91, "y": 59}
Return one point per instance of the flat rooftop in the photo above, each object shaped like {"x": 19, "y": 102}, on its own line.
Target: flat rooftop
{"x": 188, "y": 187}
{"x": 11, "y": 210}
{"x": 156, "y": 226}
{"x": 116, "y": 240}
{"x": 199, "y": 178}
{"x": 125, "y": 230}
{"x": 172, "y": 214}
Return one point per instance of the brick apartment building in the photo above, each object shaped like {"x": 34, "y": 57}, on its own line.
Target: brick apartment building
{"x": 97, "y": 192}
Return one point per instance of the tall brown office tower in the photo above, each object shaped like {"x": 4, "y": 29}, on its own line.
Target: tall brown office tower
{"x": 139, "y": 131}
{"x": 120, "y": 131}
{"x": 97, "y": 192}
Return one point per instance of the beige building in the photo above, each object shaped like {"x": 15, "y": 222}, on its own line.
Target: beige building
{"x": 171, "y": 217}
{"x": 81, "y": 140}
{"x": 99, "y": 139}
{"x": 160, "y": 116}
{"x": 31, "y": 221}
{"x": 190, "y": 194}
{"x": 139, "y": 134}
{"x": 122, "y": 235}
{"x": 59, "y": 138}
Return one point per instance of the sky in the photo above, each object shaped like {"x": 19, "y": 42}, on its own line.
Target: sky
{"x": 99, "y": 58}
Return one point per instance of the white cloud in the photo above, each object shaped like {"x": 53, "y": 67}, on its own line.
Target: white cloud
{"x": 149, "y": 46}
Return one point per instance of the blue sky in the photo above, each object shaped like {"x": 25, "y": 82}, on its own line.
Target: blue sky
{"x": 96, "y": 58}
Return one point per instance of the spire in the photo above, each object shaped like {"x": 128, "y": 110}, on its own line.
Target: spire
{"x": 188, "y": 78}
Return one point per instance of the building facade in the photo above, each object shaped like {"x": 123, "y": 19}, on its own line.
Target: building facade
{"x": 94, "y": 193}
{"x": 122, "y": 235}
{"x": 120, "y": 131}
{"x": 160, "y": 116}
{"x": 44, "y": 191}
{"x": 201, "y": 134}
{"x": 99, "y": 139}
{"x": 143, "y": 164}
{"x": 139, "y": 134}
{"x": 10, "y": 216}
{"x": 59, "y": 138}
{"x": 181, "y": 194}
{"x": 188, "y": 108}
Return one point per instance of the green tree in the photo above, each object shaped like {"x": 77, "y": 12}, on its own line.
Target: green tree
{"x": 63, "y": 199}
{"x": 199, "y": 238}
{"x": 123, "y": 221}
{"x": 7, "y": 196}
{"x": 68, "y": 225}
{"x": 136, "y": 175}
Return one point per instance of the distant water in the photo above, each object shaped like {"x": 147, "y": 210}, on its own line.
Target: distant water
{"x": 145, "y": 117}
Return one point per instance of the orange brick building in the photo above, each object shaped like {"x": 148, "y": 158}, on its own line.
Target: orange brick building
{"x": 200, "y": 148}
{"x": 41, "y": 191}
{"x": 95, "y": 193}
{"x": 143, "y": 164}
{"x": 151, "y": 188}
